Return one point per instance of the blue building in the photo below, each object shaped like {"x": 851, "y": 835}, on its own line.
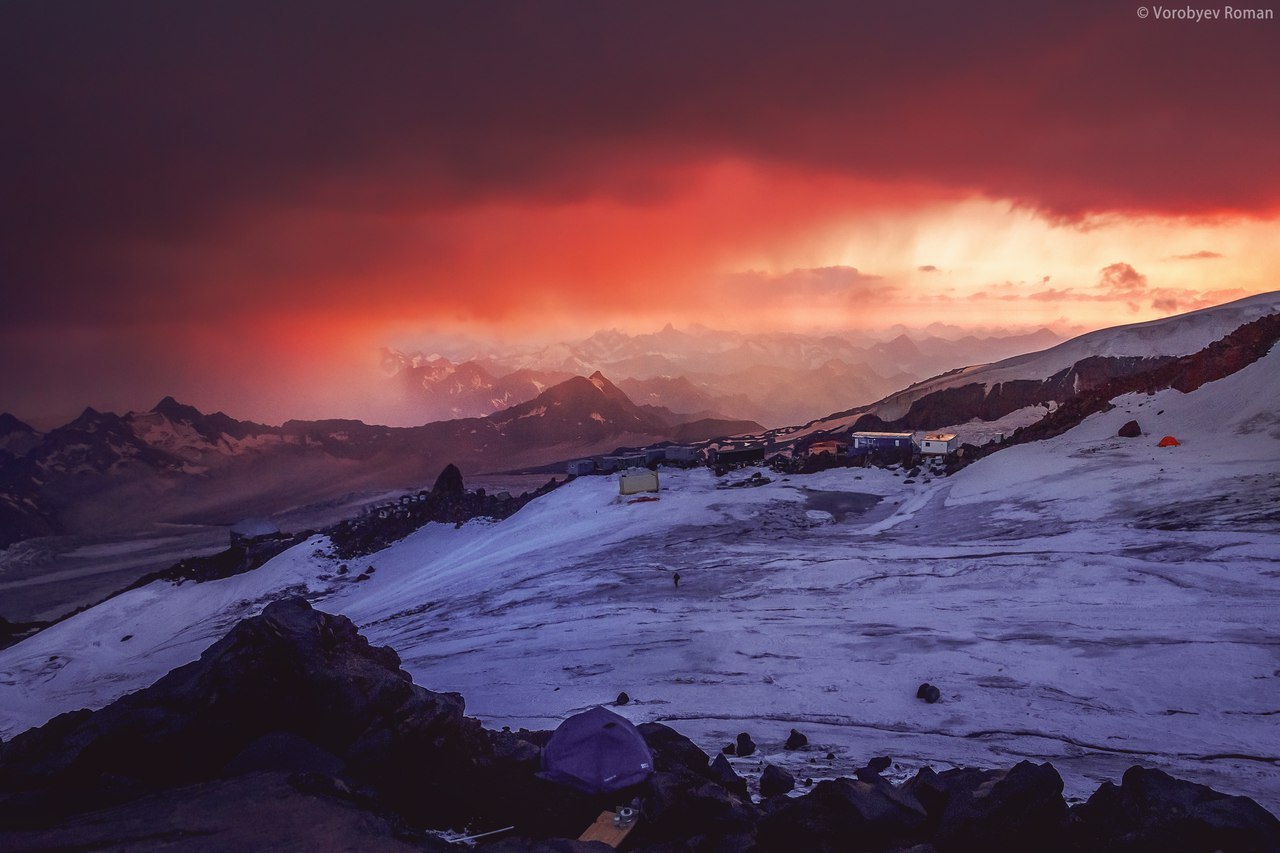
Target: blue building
{"x": 865, "y": 441}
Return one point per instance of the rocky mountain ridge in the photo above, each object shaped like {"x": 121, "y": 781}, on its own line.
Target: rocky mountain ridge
{"x": 105, "y": 471}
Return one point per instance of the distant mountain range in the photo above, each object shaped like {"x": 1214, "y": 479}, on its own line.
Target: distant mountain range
{"x": 113, "y": 473}
{"x": 105, "y": 472}
{"x": 776, "y": 379}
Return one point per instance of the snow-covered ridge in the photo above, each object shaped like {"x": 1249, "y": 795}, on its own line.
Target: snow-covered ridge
{"x": 1179, "y": 335}
{"x": 1182, "y": 334}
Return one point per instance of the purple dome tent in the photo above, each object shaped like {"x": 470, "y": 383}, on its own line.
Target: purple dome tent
{"x": 597, "y": 752}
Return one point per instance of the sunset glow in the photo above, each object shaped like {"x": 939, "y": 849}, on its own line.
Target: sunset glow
{"x": 228, "y": 207}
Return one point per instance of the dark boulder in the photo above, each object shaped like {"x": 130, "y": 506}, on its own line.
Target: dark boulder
{"x": 834, "y": 813}
{"x": 672, "y": 751}
{"x": 928, "y": 693}
{"x": 871, "y": 772}
{"x": 745, "y": 745}
{"x": 723, "y": 774}
{"x": 795, "y": 740}
{"x": 449, "y": 483}
{"x": 1152, "y": 811}
{"x": 682, "y": 807}
{"x": 289, "y": 670}
{"x": 1130, "y": 430}
{"x": 1001, "y": 809}
{"x": 623, "y": 698}
{"x": 880, "y": 764}
{"x": 775, "y": 781}
{"x": 930, "y": 791}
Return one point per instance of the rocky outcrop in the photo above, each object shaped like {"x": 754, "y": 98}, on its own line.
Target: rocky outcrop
{"x": 448, "y": 503}
{"x": 1150, "y": 810}
{"x": 290, "y": 670}
{"x": 991, "y": 402}
{"x": 293, "y": 730}
{"x": 878, "y": 815}
{"x": 1221, "y": 358}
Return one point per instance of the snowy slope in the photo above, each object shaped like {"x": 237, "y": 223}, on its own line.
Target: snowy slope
{"x": 1179, "y": 335}
{"x": 1038, "y": 588}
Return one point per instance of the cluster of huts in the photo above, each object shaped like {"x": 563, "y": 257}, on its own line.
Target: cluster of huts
{"x": 409, "y": 505}
{"x": 859, "y": 447}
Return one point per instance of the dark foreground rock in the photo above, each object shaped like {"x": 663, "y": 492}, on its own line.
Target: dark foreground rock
{"x": 290, "y": 670}
{"x": 845, "y": 814}
{"x": 993, "y": 809}
{"x": 775, "y": 781}
{"x": 1150, "y": 810}
{"x": 264, "y": 811}
{"x": 294, "y": 732}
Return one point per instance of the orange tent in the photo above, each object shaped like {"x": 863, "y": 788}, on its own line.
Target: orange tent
{"x": 1169, "y": 441}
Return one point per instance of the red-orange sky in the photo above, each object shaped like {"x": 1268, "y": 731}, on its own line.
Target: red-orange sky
{"x": 237, "y": 203}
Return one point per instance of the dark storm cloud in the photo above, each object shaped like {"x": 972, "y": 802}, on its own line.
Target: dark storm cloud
{"x": 142, "y": 141}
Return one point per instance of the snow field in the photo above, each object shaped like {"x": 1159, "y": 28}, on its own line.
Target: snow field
{"x": 1093, "y": 601}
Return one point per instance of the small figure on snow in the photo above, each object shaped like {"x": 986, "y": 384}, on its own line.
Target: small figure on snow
{"x": 675, "y": 578}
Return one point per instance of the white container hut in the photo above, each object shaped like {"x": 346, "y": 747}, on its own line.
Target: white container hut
{"x": 637, "y": 481}
{"x": 939, "y": 443}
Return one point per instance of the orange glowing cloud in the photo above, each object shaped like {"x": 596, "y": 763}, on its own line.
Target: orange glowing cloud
{"x": 194, "y": 196}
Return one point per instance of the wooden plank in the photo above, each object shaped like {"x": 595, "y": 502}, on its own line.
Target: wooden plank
{"x": 605, "y": 829}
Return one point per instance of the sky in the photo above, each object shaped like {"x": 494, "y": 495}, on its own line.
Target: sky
{"x": 239, "y": 203}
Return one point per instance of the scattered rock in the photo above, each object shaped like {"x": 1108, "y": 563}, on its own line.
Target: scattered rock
{"x": 722, "y": 773}
{"x": 745, "y": 746}
{"x": 795, "y": 740}
{"x": 880, "y": 764}
{"x": 834, "y": 812}
{"x": 729, "y": 749}
{"x": 775, "y": 781}
{"x": 928, "y": 693}
{"x": 623, "y": 698}
{"x": 1130, "y": 430}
